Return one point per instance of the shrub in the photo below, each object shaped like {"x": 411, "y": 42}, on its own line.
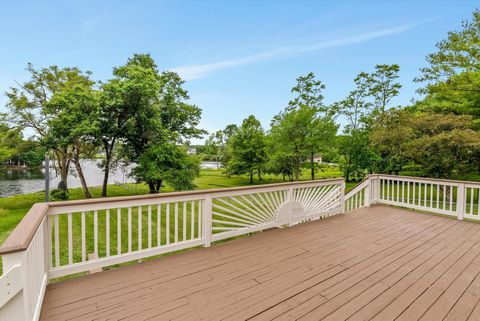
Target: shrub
{"x": 59, "y": 195}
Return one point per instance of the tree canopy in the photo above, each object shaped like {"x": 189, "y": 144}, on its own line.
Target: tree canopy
{"x": 248, "y": 149}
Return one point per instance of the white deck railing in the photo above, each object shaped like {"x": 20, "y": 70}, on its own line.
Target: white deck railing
{"x": 25, "y": 266}
{"x": 62, "y": 238}
{"x": 448, "y": 197}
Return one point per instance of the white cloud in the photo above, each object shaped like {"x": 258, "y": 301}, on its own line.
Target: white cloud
{"x": 190, "y": 72}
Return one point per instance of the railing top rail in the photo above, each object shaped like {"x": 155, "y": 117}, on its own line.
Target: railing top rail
{"x": 187, "y": 193}
{"x": 20, "y": 238}
{"x": 357, "y": 188}
{"x": 22, "y": 235}
{"x": 439, "y": 180}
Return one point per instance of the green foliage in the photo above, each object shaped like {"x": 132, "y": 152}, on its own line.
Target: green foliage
{"x": 216, "y": 144}
{"x": 59, "y": 194}
{"x": 15, "y": 149}
{"x": 75, "y": 125}
{"x": 31, "y": 153}
{"x": 141, "y": 107}
{"x": 365, "y": 108}
{"x": 452, "y": 79}
{"x": 128, "y": 95}
{"x": 247, "y": 149}
{"x": 10, "y": 138}
{"x": 355, "y": 106}
{"x": 167, "y": 163}
{"x": 308, "y": 93}
{"x": 76, "y": 113}
{"x": 443, "y": 145}
{"x": 28, "y": 105}
{"x": 305, "y": 128}
{"x": 27, "y": 101}
{"x": 383, "y": 85}
{"x": 357, "y": 158}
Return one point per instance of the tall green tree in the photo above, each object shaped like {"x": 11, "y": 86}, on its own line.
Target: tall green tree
{"x": 28, "y": 101}
{"x": 306, "y": 126}
{"x": 75, "y": 125}
{"x": 128, "y": 95}
{"x": 165, "y": 118}
{"x": 383, "y": 85}
{"x": 248, "y": 149}
{"x": 452, "y": 78}
{"x": 356, "y": 156}
{"x": 356, "y": 107}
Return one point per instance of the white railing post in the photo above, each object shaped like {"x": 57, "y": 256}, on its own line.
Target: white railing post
{"x": 368, "y": 192}
{"x": 207, "y": 220}
{"x": 460, "y": 201}
{"x": 375, "y": 190}
{"x": 15, "y": 307}
{"x": 289, "y": 204}
{"x": 342, "y": 197}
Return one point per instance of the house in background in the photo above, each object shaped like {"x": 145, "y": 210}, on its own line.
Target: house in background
{"x": 317, "y": 159}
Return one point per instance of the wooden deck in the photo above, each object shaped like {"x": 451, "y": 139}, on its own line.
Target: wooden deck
{"x": 376, "y": 263}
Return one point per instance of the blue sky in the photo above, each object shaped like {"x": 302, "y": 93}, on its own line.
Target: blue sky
{"x": 237, "y": 57}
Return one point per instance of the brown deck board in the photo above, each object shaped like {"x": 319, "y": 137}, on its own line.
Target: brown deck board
{"x": 377, "y": 263}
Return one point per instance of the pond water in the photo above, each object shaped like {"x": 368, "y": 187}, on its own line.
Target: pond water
{"x": 211, "y": 165}
{"x": 28, "y": 180}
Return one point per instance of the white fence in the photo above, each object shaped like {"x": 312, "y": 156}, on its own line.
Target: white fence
{"x": 448, "y": 197}
{"x": 58, "y": 239}
{"x": 25, "y": 266}
{"x": 63, "y": 238}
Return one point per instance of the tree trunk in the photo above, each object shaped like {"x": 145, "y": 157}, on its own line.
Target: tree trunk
{"x": 105, "y": 177}
{"x": 297, "y": 170}
{"x": 312, "y": 164}
{"x": 78, "y": 167}
{"x": 63, "y": 164}
{"x": 158, "y": 186}
{"x": 151, "y": 187}
{"x": 106, "y": 170}
{"x": 251, "y": 177}
{"x": 260, "y": 174}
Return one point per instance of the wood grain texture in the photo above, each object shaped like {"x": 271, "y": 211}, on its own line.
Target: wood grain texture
{"x": 22, "y": 235}
{"x": 376, "y": 263}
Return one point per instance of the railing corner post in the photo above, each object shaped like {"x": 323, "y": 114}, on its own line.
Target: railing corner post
{"x": 368, "y": 193}
{"x": 374, "y": 189}
{"x": 207, "y": 220}
{"x": 17, "y": 308}
{"x": 460, "y": 201}
{"x": 342, "y": 197}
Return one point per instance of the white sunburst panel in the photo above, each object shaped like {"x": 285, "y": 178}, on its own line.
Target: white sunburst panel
{"x": 318, "y": 199}
{"x": 232, "y": 214}
{"x": 249, "y": 210}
